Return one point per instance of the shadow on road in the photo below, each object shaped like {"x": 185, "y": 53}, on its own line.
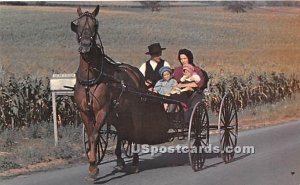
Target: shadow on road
{"x": 161, "y": 161}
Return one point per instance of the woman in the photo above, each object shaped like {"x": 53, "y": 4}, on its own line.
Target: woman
{"x": 185, "y": 56}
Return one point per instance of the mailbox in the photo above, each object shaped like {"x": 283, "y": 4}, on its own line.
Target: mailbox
{"x": 59, "y": 84}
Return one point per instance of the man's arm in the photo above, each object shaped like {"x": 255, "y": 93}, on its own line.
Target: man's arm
{"x": 167, "y": 64}
{"x": 143, "y": 69}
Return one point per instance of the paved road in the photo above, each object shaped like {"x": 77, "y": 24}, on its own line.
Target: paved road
{"x": 276, "y": 161}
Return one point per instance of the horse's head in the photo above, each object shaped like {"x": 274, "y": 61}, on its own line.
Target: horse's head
{"x": 86, "y": 28}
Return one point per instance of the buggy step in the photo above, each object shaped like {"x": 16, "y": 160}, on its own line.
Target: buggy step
{"x": 215, "y": 127}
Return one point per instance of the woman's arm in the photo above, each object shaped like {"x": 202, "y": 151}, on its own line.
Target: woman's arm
{"x": 177, "y": 74}
{"x": 190, "y": 85}
{"x": 183, "y": 78}
{"x": 201, "y": 83}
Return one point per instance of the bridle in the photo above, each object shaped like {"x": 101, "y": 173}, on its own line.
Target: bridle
{"x": 87, "y": 27}
{"x": 93, "y": 43}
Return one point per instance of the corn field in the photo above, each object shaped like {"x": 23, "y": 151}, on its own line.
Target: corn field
{"x": 26, "y": 101}
{"x": 254, "y": 90}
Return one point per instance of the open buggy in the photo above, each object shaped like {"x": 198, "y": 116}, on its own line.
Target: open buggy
{"x": 197, "y": 130}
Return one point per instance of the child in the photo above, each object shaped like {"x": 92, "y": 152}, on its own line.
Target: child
{"x": 189, "y": 75}
{"x": 167, "y": 83}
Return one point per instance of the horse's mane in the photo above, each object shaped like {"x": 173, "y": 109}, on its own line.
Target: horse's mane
{"x": 120, "y": 66}
{"x": 136, "y": 72}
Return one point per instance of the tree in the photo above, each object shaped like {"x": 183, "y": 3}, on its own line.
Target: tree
{"x": 153, "y": 5}
{"x": 239, "y": 6}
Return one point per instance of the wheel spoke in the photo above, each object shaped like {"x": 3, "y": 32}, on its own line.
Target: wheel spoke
{"x": 233, "y": 133}
{"x": 231, "y": 108}
{"x": 227, "y": 115}
{"x": 231, "y": 142}
{"x": 98, "y": 156}
{"x": 223, "y": 113}
{"x": 203, "y": 117}
{"x": 222, "y": 120}
{"x": 102, "y": 143}
{"x": 233, "y": 116}
{"x": 226, "y": 105}
{"x": 223, "y": 135}
{"x": 225, "y": 144}
{"x": 230, "y": 115}
{"x": 204, "y": 143}
{"x": 102, "y": 148}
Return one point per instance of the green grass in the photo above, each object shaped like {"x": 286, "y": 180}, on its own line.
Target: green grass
{"x": 35, "y": 144}
{"x": 270, "y": 114}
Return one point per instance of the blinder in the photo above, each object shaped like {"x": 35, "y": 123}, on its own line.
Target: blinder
{"x": 74, "y": 24}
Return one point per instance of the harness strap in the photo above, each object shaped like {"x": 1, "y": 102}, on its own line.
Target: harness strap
{"x": 116, "y": 102}
{"x": 87, "y": 94}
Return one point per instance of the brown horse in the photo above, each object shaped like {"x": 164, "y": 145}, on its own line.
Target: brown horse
{"x": 107, "y": 91}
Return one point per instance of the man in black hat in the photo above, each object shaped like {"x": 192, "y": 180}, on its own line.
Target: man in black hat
{"x": 150, "y": 69}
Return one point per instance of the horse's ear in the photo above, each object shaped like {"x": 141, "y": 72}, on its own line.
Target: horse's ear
{"x": 96, "y": 11}
{"x": 79, "y": 11}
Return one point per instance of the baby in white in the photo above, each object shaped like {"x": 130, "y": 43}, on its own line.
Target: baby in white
{"x": 189, "y": 75}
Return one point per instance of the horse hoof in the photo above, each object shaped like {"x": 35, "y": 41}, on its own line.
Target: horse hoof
{"x": 89, "y": 179}
{"x": 119, "y": 167}
{"x": 93, "y": 174}
{"x": 135, "y": 169}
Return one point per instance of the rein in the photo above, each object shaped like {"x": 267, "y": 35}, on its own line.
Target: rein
{"x": 97, "y": 80}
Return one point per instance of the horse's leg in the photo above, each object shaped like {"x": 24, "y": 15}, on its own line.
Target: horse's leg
{"x": 135, "y": 161}
{"x": 118, "y": 152}
{"x": 137, "y": 135}
{"x": 99, "y": 122}
{"x": 89, "y": 125}
{"x": 137, "y": 119}
{"x": 92, "y": 127}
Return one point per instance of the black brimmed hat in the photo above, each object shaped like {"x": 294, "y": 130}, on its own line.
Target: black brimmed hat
{"x": 154, "y": 49}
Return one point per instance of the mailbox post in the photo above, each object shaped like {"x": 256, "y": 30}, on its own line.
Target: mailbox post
{"x": 58, "y": 84}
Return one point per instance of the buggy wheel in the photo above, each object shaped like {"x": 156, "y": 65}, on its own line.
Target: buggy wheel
{"x": 228, "y": 127}
{"x": 101, "y": 144}
{"x": 198, "y": 136}
{"x": 127, "y": 148}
